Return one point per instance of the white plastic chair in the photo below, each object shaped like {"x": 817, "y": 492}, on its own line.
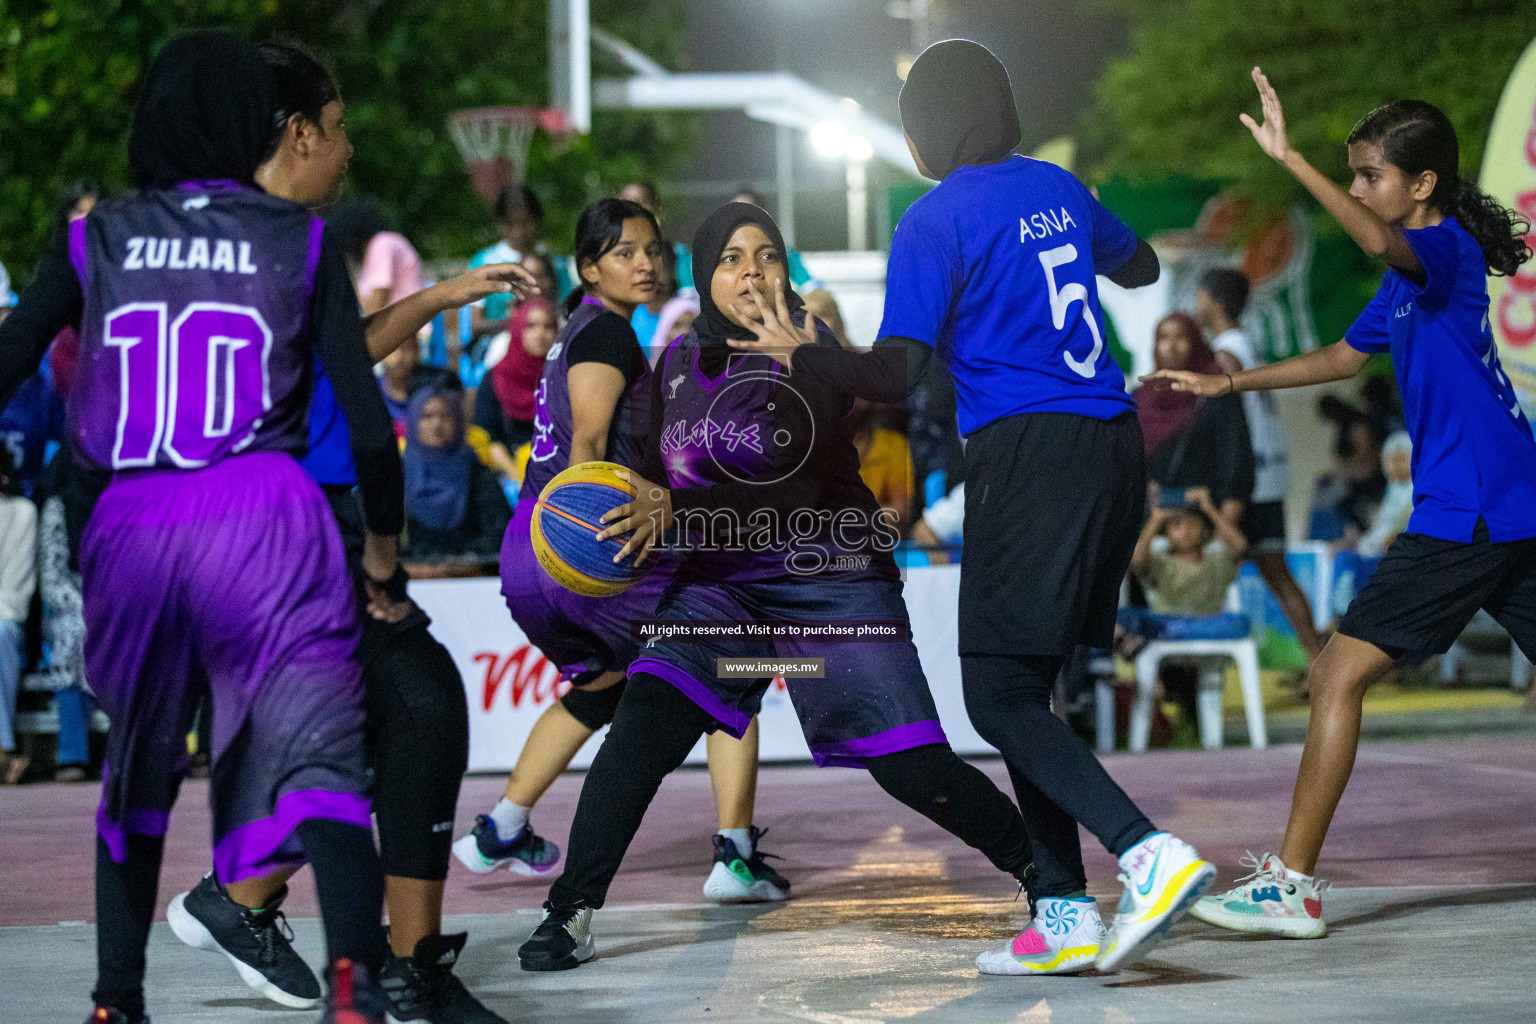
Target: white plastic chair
{"x": 1212, "y": 679}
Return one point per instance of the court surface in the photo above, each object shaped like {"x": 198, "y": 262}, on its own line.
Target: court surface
{"x": 1432, "y": 855}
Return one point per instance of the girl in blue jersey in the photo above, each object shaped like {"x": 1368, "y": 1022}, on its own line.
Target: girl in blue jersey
{"x": 995, "y": 269}
{"x": 1471, "y": 542}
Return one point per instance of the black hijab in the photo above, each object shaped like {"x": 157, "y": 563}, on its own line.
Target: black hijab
{"x": 713, "y": 326}
{"x": 205, "y": 112}
{"x": 957, "y": 105}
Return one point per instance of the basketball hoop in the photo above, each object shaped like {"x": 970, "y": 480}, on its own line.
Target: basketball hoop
{"x": 494, "y": 143}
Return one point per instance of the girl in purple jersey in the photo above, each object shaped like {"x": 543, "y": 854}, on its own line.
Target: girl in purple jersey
{"x": 211, "y": 564}
{"x": 761, "y": 474}
{"x": 1471, "y": 541}
{"x": 591, "y": 405}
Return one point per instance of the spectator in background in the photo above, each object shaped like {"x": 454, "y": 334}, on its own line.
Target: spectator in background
{"x": 18, "y": 579}
{"x": 885, "y": 461}
{"x": 800, "y": 278}
{"x": 1345, "y": 498}
{"x": 34, "y": 417}
{"x": 384, "y": 265}
{"x": 453, "y": 505}
{"x": 1192, "y": 441}
{"x": 1219, "y": 305}
{"x": 505, "y": 409}
{"x": 404, "y": 375}
{"x": 1186, "y": 583}
{"x": 520, "y": 222}
{"x": 7, "y": 297}
{"x": 65, "y": 496}
{"x": 676, "y": 320}
{"x": 645, "y": 194}
{"x": 1397, "y": 501}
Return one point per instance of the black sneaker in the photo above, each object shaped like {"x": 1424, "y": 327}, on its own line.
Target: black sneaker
{"x": 424, "y": 988}
{"x": 109, "y": 1015}
{"x": 561, "y": 941}
{"x": 352, "y": 996}
{"x": 737, "y": 879}
{"x": 258, "y": 942}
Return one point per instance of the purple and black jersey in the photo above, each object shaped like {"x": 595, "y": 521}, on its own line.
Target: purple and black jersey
{"x": 763, "y": 471}
{"x": 553, "y": 425}
{"x": 195, "y": 330}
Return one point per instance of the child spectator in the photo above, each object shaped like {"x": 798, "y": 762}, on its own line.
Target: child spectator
{"x": 1186, "y": 584}
{"x": 453, "y": 505}
{"x": 18, "y": 578}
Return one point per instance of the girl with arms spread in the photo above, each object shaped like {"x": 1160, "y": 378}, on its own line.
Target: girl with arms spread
{"x": 591, "y": 405}
{"x": 762, "y": 477}
{"x": 1471, "y": 539}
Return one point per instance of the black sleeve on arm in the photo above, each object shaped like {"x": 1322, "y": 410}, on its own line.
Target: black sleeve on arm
{"x": 338, "y": 335}
{"x": 609, "y": 340}
{"x": 52, "y": 302}
{"x": 651, "y": 466}
{"x": 1140, "y": 270}
{"x": 886, "y": 373}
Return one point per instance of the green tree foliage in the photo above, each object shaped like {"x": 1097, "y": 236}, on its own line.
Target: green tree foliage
{"x": 1171, "y": 104}
{"x": 70, "y": 69}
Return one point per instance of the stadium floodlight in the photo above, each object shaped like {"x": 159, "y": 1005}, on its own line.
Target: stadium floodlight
{"x": 829, "y": 139}
{"x": 858, "y": 148}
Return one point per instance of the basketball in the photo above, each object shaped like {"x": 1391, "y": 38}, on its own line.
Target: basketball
{"x": 565, "y": 528}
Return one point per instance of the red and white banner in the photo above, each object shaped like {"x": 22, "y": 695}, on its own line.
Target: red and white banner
{"x": 508, "y": 683}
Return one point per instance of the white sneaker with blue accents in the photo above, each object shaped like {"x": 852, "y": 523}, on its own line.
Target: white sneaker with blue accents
{"x": 1273, "y": 900}
{"x": 1163, "y": 877}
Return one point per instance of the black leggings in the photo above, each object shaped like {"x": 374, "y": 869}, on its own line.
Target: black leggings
{"x": 348, "y": 881}
{"x": 418, "y": 738}
{"x": 1058, "y": 780}
{"x": 656, "y": 726}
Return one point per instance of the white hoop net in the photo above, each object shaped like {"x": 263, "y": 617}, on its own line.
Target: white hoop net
{"x": 494, "y": 143}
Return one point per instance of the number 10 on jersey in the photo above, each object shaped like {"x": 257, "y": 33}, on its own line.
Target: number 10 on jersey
{"x": 188, "y": 384}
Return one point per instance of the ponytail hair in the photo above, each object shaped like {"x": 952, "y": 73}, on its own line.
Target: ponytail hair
{"x": 1415, "y": 137}
{"x": 598, "y": 230}
{"x": 301, "y": 85}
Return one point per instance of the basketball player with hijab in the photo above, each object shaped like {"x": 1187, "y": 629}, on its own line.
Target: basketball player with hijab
{"x": 591, "y": 404}
{"x": 763, "y": 478}
{"x": 995, "y": 269}
{"x": 417, "y": 720}
{"x": 212, "y": 564}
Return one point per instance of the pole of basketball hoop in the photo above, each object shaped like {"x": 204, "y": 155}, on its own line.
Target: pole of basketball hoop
{"x": 570, "y": 61}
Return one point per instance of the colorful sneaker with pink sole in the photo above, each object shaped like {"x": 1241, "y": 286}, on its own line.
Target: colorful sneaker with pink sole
{"x": 1063, "y": 938}
{"x": 1273, "y": 900}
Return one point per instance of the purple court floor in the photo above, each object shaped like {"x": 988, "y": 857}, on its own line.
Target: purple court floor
{"x": 1433, "y": 856}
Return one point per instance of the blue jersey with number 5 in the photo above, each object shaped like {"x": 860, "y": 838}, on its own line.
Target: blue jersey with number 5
{"x": 995, "y": 269}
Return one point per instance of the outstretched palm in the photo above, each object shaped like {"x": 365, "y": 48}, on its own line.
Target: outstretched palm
{"x": 1270, "y": 135}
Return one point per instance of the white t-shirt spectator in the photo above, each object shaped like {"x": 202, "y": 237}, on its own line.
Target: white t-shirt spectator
{"x": 18, "y": 557}
{"x": 946, "y": 517}
{"x": 1271, "y": 473}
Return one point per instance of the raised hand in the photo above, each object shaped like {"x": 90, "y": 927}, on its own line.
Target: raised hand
{"x": 777, "y": 336}
{"x": 1208, "y": 385}
{"x": 1271, "y": 134}
{"x": 493, "y": 279}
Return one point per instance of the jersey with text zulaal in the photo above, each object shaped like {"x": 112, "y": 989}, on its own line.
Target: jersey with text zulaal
{"x": 195, "y": 331}
{"x": 996, "y": 269}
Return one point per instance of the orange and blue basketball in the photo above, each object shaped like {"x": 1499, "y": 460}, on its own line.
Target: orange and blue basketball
{"x": 565, "y": 528}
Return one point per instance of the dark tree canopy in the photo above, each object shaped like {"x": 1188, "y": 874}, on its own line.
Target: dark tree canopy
{"x": 69, "y": 74}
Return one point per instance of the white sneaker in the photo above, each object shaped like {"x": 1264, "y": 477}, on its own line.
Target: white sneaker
{"x": 1063, "y": 938}
{"x": 1163, "y": 877}
{"x": 1273, "y": 900}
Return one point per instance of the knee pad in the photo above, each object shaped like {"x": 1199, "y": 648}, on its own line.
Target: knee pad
{"x": 593, "y": 708}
